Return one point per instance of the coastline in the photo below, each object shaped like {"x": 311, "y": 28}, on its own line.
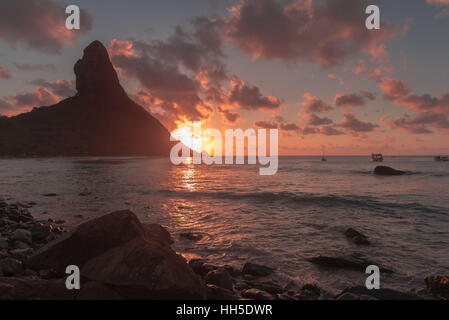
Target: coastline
{"x": 34, "y": 254}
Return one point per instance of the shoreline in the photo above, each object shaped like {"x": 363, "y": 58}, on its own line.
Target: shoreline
{"x": 33, "y": 253}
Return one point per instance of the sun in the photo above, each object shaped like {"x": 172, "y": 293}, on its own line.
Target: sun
{"x": 192, "y": 134}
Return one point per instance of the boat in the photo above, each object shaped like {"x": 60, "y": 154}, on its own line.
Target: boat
{"x": 377, "y": 157}
{"x": 441, "y": 158}
{"x": 323, "y": 158}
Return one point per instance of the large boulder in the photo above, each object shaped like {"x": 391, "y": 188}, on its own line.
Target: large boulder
{"x": 355, "y": 261}
{"x": 438, "y": 286}
{"x": 387, "y": 171}
{"x": 132, "y": 259}
{"x": 257, "y": 270}
{"x": 27, "y": 288}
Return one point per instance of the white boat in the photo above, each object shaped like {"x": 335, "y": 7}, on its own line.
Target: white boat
{"x": 377, "y": 157}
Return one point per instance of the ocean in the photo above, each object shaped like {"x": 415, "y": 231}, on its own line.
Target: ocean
{"x": 280, "y": 220}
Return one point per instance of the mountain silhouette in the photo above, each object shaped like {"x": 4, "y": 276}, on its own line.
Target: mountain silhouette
{"x": 100, "y": 120}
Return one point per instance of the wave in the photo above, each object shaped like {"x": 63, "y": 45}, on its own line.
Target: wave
{"x": 310, "y": 199}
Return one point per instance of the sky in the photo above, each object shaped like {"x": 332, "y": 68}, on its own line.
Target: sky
{"x": 308, "y": 68}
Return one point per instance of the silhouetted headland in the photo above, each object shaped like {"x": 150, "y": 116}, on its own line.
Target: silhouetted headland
{"x": 100, "y": 120}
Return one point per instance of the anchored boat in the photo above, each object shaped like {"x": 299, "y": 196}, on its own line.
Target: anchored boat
{"x": 377, "y": 157}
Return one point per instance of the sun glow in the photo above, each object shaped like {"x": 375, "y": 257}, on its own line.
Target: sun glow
{"x": 193, "y": 135}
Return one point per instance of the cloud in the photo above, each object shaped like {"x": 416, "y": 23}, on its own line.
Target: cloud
{"x": 228, "y": 116}
{"x": 250, "y": 98}
{"x": 185, "y": 75}
{"x": 61, "y": 88}
{"x": 349, "y": 100}
{"x": 354, "y": 125}
{"x": 329, "y": 130}
{"x": 25, "y": 101}
{"x": 36, "y": 67}
{"x": 421, "y": 124}
{"x": 289, "y": 126}
{"x": 314, "y": 120}
{"x": 39, "y": 25}
{"x": 4, "y": 73}
{"x": 440, "y": 3}
{"x": 297, "y": 31}
{"x": 425, "y": 102}
{"x": 266, "y": 124}
{"x": 314, "y": 104}
{"x": 399, "y": 92}
{"x": 335, "y": 77}
{"x": 166, "y": 83}
{"x": 194, "y": 51}
{"x": 393, "y": 88}
{"x": 368, "y": 95}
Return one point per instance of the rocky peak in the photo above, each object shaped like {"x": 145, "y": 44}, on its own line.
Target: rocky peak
{"x": 95, "y": 74}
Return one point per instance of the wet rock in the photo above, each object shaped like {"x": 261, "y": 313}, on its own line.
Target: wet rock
{"x": 356, "y": 237}
{"x": 380, "y": 294}
{"x": 60, "y": 221}
{"x": 50, "y": 274}
{"x": 387, "y": 171}
{"x": 84, "y": 194}
{"x": 29, "y": 288}
{"x": 158, "y": 233}
{"x": 3, "y": 254}
{"x": 284, "y": 296}
{"x": 21, "y": 254}
{"x": 21, "y": 235}
{"x": 50, "y": 195}
{"x": 257, "y": 270}
{"x": 352, "y": 262}
{"x": 438, "y": 286}
{"x": 200, "y": 267}
{"x": 19, "y": 245}
{"x": 348, "y": 296}
{"x": 220, "y": 277}
{"x": 267, "y": 286}
{"x": 40, "y": 232}
{"x": 115, "y": 250}
{"x": 191, "y": 236}
{"x": 308, "y": 292}
{"x": 93, "y": 290}
{"x": 219, "y": 293}
{"x": 256, "y": 294}
{"x": 4, "y": 243}
{"x": 234, "y": 272}
{"x": 11, "y": 267}
{"x": 242, "y": 285}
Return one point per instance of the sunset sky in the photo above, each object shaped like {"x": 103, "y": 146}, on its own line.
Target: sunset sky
{"x": 309, "y": 68}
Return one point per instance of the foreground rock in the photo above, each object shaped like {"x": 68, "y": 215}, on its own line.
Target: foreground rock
{"x": 355, "y": 262}
{"x": 387, "y": 171}
{"x": 356, "y": 237}
{"x": 362, "y": 293}
{"x": 120, "y": 252}
{"x": 257, "y": 269}
{"x": 20, "y": 236}
{"x": 438, "y": 286}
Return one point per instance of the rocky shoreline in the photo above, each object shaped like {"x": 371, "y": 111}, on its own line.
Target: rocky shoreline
{"x": 122, "y": 258}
